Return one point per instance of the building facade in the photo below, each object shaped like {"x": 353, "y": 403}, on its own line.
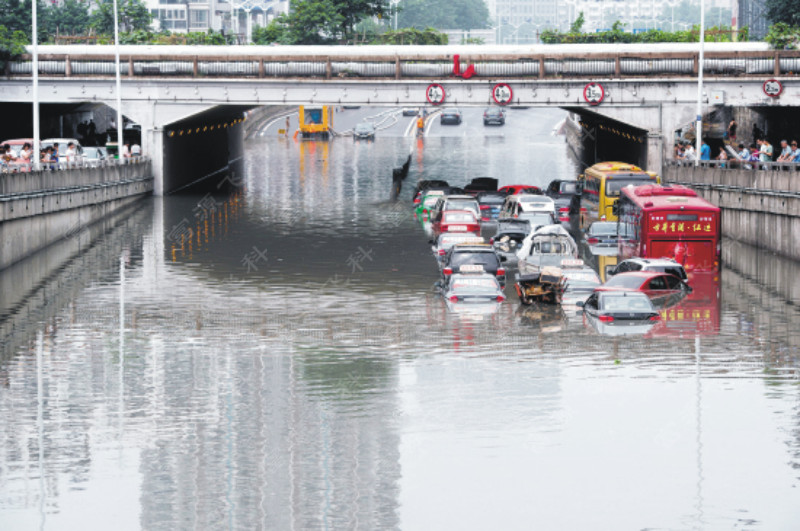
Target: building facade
{"x": 230, "y": 16}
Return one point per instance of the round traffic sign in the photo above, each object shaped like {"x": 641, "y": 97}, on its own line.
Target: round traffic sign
{"x": 772, "y": 88}
{"x": 594, "y": 93}
{"x": 502, "y": 94}
{"x": 435, "y": 94}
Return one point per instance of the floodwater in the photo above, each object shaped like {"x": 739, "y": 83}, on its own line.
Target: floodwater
{"x": 278, "y": 359}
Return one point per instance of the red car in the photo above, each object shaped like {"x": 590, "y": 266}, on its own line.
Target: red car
{"x": 514, "y": 189}
{"x": 457, "y": 221}
{"x": 662, "y": 288}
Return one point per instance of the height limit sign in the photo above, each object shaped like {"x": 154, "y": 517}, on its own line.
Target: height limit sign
{"x": 435, "y": 94}
{"x": 502, "y": 94}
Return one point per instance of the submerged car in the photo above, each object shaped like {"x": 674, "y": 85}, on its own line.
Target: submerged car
{"x": 450, "y": 116}
{"x": 602, "y": 234}
{"x": 446, "y": 240}
{"x": 471, "y": 258}
{"x": 620, "y": 312}
{"x": 456, "y": 221}
{"x": 659, "y": 265}
{"x": 578, "y": 281}
{"x": 454, "y": 202}
{"x": 545, "y": 246}
{"x": 508, "y": 239}
{"x": 514, "y": 189}
{"x": 364, "y": 131}
{"x": 473, "y": 293}
{"x": 490, "y": 204}
{"x": 426, "y": 203}
{"x": 494, "y": 115}
{"x": 430, "y": 184}
{"x": 663, "y": 289}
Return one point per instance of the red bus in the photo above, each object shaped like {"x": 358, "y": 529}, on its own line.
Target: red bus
{"x": 669, "y": 222}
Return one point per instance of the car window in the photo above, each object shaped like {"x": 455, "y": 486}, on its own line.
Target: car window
{"x": 633, "y": 266}
{"x": 677, "y": 271}
{"x": 625, "y": 281}
{"x": 673, "y": 282}
{"x": 487, "y": 259}
{"x": 459, "y": 217}
{"x": 591, "y": 302}
{"x": 658, "y": 283}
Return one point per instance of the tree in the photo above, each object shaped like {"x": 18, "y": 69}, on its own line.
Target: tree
{"x": 274, "y": 32}
{"x": 577, "y": 24}
{"x": 71, "y": 17}
{"x": 455, "y": 14}
{"x": 12, "y": 44}
{"x": 787, "y": 11}
{"x": 133, "y": 15}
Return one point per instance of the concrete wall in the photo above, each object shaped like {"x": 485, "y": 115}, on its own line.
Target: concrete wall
{"x": 40, "y": 208}
{"x": 759, "y": 208}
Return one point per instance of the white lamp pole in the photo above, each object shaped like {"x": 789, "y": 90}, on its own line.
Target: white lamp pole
{"x": 35, "y": 156}
{"x": 119, "y": 82}
{"x": 699, "y": 132}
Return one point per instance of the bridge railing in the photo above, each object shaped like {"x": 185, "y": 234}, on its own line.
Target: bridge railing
{"x": 429, "y": 66}
{"x": 736, "y": 164}
{"x": 27, "y": 167}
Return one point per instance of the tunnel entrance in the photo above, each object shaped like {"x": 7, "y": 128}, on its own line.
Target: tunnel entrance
{"x": 600, "y": 139}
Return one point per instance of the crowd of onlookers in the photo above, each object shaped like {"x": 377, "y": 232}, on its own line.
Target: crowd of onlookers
{"x": 49, "y": 156}
{"x": 739, "y": 155}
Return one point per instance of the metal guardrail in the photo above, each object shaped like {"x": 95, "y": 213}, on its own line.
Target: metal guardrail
{"x": 429, "y": 65}
{"x": 27, "y": 167}
{"x": 735, "y": 164}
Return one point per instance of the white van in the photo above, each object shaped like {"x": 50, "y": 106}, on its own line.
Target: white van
{"x": 538, "y": 210}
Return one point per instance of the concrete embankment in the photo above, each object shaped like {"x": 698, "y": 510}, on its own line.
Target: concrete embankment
{"x": 759, "y": 208}
{"x": 40, "y": 208}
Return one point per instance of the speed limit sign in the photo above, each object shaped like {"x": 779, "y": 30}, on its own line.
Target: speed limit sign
{"x": 594, "y": 93}
{"x": 502, "y": 94}
{"x": 435, "y": 94}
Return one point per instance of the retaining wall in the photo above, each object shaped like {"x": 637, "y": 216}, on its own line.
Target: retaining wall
{"x": 39, "y": 208}
{"x": 759, "y": 208}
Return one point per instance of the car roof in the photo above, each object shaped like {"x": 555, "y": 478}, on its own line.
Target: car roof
{"x": 620, "y": 293}
{"x": 460, "y": 196}
{"x": 654, "y": 261}
{"x": 474, "y": 247}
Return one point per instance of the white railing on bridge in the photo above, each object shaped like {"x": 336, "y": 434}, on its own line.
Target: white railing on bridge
{"x": 26, "y": 167}
{"x": 737, "y": 164}
{"x": 399, "y": 62}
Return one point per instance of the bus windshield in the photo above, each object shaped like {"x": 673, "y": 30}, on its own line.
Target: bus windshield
{"x": 614, "y": 185}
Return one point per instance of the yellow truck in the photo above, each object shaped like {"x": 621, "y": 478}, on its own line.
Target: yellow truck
{"x": 316, "y": 121}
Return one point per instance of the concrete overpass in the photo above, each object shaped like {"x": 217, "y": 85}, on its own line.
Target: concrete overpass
{"x": 167, "y": 89}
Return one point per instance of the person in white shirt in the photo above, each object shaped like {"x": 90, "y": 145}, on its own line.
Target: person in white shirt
{"x": 126, "y": 150}
{"x": 71, "y": 152}
{"x": 136, "y": 150}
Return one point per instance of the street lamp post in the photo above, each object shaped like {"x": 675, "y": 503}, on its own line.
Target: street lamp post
{"x": 35, "y": 156}
{"x": 699, "y": 131}
{"x": 119, "y": 81}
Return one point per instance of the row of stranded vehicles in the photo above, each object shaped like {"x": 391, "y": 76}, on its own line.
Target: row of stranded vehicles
{"x": 615, "y": 245}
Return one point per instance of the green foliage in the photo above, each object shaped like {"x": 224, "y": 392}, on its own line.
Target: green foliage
{"x": 577, "y": 24}
{"x": 782, "y": 36}
{"x": 473, "y": 40}
{"x": 274, "y": 32}
{"x": 133, "y": 15}
{"x": 210, "y": 37}
{"x": 70, "y": 18}
{"x": 454, "y": 14}
{"x": 12, "y": 44}
{"x": 783, "y": 11}
{"x": 412, "y": 36}
{"x": 617, "y": 35}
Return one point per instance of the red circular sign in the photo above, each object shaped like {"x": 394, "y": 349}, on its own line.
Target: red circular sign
{"x": 594, "y": 93}
{"x": 435, "y": 94}
{"x": 502, "y": 94}
{"x": 772, "y": 88}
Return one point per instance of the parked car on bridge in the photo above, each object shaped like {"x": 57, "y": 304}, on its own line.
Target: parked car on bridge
{"x": 450, "y": 116}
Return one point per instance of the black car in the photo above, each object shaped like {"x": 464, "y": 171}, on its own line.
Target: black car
{"x": 410, "y": 111}
{"x": 494, "y": 115}
{"x": 490, "y": 204}
{"x": 450, "y": 116}
{"x": 431, "y": 184}
{"x": 564, "y": 194}
{"x": 481, "y": 184}
{"x": 472, "y": 258}
{"x": 364, "y": 131}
